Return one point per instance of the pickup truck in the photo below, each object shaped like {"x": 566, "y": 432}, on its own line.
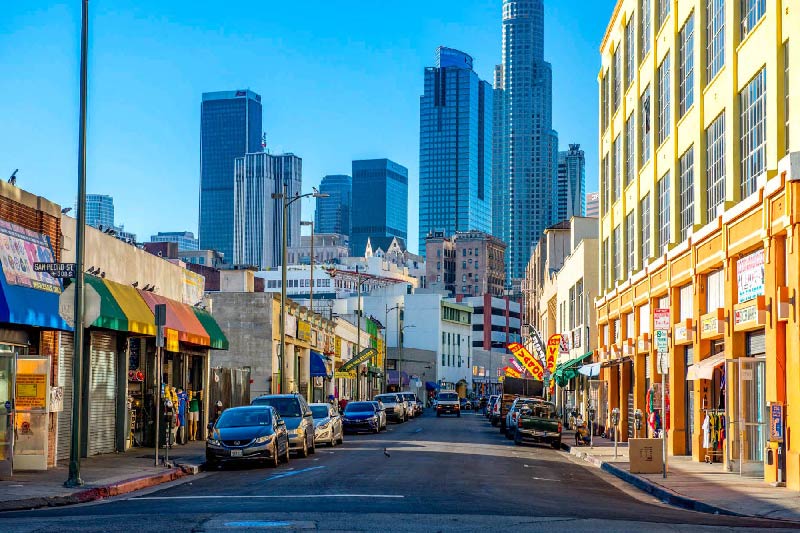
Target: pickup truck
{"x": 538, "y": 422}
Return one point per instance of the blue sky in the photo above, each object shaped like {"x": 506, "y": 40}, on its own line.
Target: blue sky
{"x": 340, "y": 80}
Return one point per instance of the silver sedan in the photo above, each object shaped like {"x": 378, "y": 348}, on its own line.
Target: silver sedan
{"x": 327, "y": 424}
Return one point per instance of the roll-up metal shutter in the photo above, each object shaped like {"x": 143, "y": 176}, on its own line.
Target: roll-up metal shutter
{"x": 756, "y": 343}
{"x": 65, "y": 380}
{"x": 647, "y": 366}
{"x": 102, "y": 393}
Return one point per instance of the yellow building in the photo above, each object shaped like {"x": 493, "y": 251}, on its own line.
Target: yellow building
{"x": 700, "y": 198}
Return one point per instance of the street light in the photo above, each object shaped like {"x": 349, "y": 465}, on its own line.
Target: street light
{"x": 311, "y": 290}
{"x": 286, "y": 202}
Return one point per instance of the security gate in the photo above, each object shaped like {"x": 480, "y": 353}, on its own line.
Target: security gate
{"x": 747, "y": 415}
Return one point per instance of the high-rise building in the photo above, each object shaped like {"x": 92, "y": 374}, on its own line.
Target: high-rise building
{"x": 500, "y": 183}
{"x": 258, "y": 218}
{"x": 469, "y": 263}
{"x": 333, "y": 213}
{"x": 455, "y": 153}
{"x": 593, "y": 204}
{"x": 230, "y": 127}
{"x": 184, "y": 239}
{"x": 528, "y": 182}
{"x": 571, "y": 183}
{"x": 380, "y": 201}
{"x": 100, "y": 211}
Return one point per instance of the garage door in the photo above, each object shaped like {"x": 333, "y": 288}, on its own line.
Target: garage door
{"x": 102, "y": 393}
{"x": 65, "y": 380}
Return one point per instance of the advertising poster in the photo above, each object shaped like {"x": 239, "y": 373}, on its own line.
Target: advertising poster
{"x": 750, "y": 276}
{"x": 19, "y": 250}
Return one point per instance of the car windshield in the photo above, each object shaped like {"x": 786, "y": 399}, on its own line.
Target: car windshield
{"x": 359, "y": 407}
{"x": 540, "y": 409}
{"x": 239, "y": 418}
{"x": 409, "y": 397}
{"x": 286, "y": 407}
{"x": 386, "y": 398}
{"x": 319, "y": 411}
{"x": 448, "y": 397}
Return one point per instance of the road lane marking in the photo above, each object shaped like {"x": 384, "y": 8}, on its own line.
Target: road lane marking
{"x": 293, "y": 473}
{"x": 269, "y": 496}
{"x": 417, "y": 430}
{"x": 258, "y": 523}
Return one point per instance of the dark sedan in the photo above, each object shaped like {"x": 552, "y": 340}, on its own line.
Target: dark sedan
{"x": 360, "y": 416}
{"x": 250, "y": 433}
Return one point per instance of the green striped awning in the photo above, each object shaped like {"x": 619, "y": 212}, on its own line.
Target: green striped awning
{"x": 218, "y": 339}
{"x": 111, "y": 314}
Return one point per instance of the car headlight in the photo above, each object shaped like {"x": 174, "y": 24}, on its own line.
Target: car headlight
{"x": 324, "y": 426}
{"x": 373, "y": 419}
{"x": 214, "y": 442}
{"x": 263, "y": 439}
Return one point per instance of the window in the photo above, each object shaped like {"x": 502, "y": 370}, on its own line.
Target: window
{"x": 687, "y": 302}
{"x": 579, "y": 302}
{"x": 604, "y": 274}
{"x": 645, "y": 28}
{"x": 686, "y": 165}
{"x": 644, "y": 319}
{"x": 630, "y": 142}
{"x": 715, "y": 290}
{"x": 663, "y": 214}
{"x": 617, "y": 259}
{"x": 644, "y": 212}
{"x": 715, "y": 37}
{"x": 644, "y": 128}
{"x": 752, "y": 11}
{"x": 571, "y": 311}
{"x": 630, "y": 242}
{"x": 663, "y": 100}
{"x": 604, "y": 100}
{"x": 617, "y": 168}
{"x": 753, "y": 103}
{"x": 617, "y": 74}
{"x": 463, "y": 264}
{"x": 715, "y": 168}
{"x": 786, "y": 95}
{"x": 686, "y": 53}
{"x": 630, "y": 52}
{"x": 663, "y": 11}
{"x": 605, "y": 186}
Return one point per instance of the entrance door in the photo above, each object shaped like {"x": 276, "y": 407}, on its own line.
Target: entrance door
{"x": 6, "y": 412}
{"x": 750, "y": 427}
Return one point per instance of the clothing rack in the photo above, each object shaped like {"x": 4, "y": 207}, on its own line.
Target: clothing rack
{"x": 713, "y": 455}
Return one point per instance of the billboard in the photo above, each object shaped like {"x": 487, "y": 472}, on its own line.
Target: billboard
{"x": 20, "y": 248}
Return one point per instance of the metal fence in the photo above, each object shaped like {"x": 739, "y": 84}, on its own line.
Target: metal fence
{"x": 231, "y": 386}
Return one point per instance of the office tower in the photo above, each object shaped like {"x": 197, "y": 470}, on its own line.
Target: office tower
{"x": 530, "y": 143}
{"x": 184, "y": 239}
{"x": 230, "y": 127}
{"x": 455, "y": 154}
{"x": 380, "y": 202}
{"x": 100, "y": 211}
{"x": 593, "y": 204}
{"x": 500, "y": 184}
{"x": 258, "y": 218}
{"x": 571, "y": 183}
{"x": 333, "y": 213}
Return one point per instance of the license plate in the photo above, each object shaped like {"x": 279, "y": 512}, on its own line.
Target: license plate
{"x": 236, "y": 453}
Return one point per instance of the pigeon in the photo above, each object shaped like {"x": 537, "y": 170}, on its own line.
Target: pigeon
{"x": 386, "y": 453}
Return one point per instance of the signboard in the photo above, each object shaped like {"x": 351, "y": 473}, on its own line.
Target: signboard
{"x": 538, "y": 345}
{"x": 662, "y": 341}
{"x": 91, "y": 305}
{"x": 530, "y": 363}
{"x": 709, "y": 325}
{"x": 56, "y": 399}
{"x": 661, "y": 318}
{"x": 344, "y": 375}
{"x": 663, "y": 363}
{"x": 31, "y": 391}
{"x": 290, "y": 325}
{"x": 365, "y": 355}
{"x": 553, "y": 347}
{"x": 194, "y": 286}
{"x": 337, "y": 348}
{"x": 57, "y": 270}
{"x": 776, "y": 429}
{"x": 745, "y": 315}
{"x": 303, "y": 330}
{"x": 750, "y": 276}
{"x": 20, "y": 250}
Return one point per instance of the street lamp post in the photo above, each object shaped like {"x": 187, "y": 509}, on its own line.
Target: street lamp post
{"x": 286, "y": 202}
{"x": 311, "y": 289}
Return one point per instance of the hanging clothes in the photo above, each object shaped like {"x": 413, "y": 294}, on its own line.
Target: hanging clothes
{"x": 706, "y": 431}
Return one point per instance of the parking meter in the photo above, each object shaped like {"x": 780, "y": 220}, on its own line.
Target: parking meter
{"x": 615, "y": 417}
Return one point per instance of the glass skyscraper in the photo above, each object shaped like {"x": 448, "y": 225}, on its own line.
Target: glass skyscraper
{"x": 333, "y": 213}
{"x": 380, "y": 202}
{"x": 100, "y": 211}
{"x": 571, "y": 183}
{"x": 230, "y": 127}
{"x": 455, "y": 153}
{"x": 184, "y": 239}
{"x": 527, "y": 184}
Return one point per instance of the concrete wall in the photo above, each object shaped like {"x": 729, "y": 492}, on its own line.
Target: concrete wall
{"x": 236, "y": 280}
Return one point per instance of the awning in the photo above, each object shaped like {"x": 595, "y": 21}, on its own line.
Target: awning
{"x": 218, "y": 339}
{"x": 180, "y": 318}
{"x": 392, "y": 378}
{"x": 591, "y": 370}
{"x": 569, "y": 369}
{"x": 318, "y": 366}
{"x": 111, "y": 314}
{"x": 430, "y": 385}
{"x": 705, "y": 368}
{"x": 140, "y": 317}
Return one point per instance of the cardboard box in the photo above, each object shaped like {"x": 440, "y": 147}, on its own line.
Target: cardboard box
{"x": 646, "y": 456}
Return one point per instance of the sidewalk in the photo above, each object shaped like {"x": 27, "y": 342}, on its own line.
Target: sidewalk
{"x": 696, "y": 486}
{"x": 103, "y": 476}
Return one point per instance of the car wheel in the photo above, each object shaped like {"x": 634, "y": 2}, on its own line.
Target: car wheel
{"x": 285, "y": 457}
{"x": 340, "y": 440}
{"x": 211, "y": 463}
{"x": 313, "y": 448}
{"x": 556, "y": 444}
{"x": 273, "y": 462}
{"x": 304, "y": 450}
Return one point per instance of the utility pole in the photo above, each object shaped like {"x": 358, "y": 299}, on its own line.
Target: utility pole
{"x": 74, "y": 479}
{"x": 282, "y": 358}
{"x": 358, "y": 344}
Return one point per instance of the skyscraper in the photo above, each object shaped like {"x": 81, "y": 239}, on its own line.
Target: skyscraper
{"x": 333, "y": 213}
{"x": 380, "y": 202}
{"x": 571, "y": 183}
{"x": 258, "y": 218}
{"x": 500, "y": 183}
{"x": 593, "y": 204}
{"x": 184, "y": 239}
{"x": 455, "y": 154}
{"x": 230, "y": 127}
{"x": 100, "y": 210}
{"x": 528, "y": 139}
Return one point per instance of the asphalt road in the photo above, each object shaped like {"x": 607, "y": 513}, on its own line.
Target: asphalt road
{"x": 448, "y": 474}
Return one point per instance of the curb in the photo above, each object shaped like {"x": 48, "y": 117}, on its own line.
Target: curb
{"x": 102, "y": 492}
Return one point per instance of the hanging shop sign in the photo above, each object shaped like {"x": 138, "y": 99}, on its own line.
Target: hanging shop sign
{"x": 553, "y": 347}
{"x": 682, "y": 332}
{"x": 712, "y": 325}
{"x": 365, "y": 355}
{"x": 750, "y": 276}
{"x": 20, "y": 250}
{"x": 344, "y": 375}
{"x": 303, "y": 331}
{"x": 530, "y": 363}
{"x": 31, "y": 391}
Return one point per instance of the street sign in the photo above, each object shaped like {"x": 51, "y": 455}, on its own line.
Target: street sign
{"x": 57, "y": 270}
{"x": 91, "y": 305}
{"x": 661, "y": 318}
{"x": 662, "y": 341}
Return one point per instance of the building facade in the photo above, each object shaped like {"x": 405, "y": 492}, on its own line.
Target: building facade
{"x": 100, "y": 211}
{"x": 230, "y": 127}
{"x": 470, "y": 263}
{"x": 571, "y": 183}
{"x": 333, "y": 214}
{"x": 496, "y": 322}
{"x": 329, "y": 248}
{"x": 531, "y": 144}
{"x": 184, "y": 239}
{"x": 380, "y": 201}
{"x": 593, "y": 204}
{"x": 699, "y": 173}
{"x": 455, "y": 154}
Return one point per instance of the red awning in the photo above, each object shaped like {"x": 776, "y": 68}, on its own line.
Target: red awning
{"x": 180, "y": 318}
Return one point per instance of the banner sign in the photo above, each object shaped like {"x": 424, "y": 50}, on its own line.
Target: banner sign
{"x": 516, "y": 365}
{"x": 365, "y": 355}
{"x": 553, "y": 345}
{"x": 750, "y": 276}
{"x": 538, "y": 345}
{"x": 344, "y": 375}
{"x": 20, "y": 250}
{"x": 511, "y": 372}
{"x": 528, "y": 361}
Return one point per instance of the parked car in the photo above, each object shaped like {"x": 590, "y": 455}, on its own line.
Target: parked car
{"x": 381, "y": 410}
{"x": 538, "y": 422}
{"x": 447, "y": 402}
{"x": 394, "y": 405}
{"x": 294, "y": 410}
{"x": 247, "y": 433}
{"x": 360, "y": 416}
{"x": 490, "y": 405}
{"x": 466, "y": 404}
{"x": 327, "y": 424}
{"x": 513, "y": 413}
{"x": 413, "y": 402}
{"x": 494, "y": 415}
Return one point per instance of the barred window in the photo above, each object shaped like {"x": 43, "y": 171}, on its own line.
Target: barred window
{"x": 686, "y": 77}
{"x": 617, "y": 254}
{"x": 617, "y": 74}
{"x": 715, "y": 168}
{"x": 630, "y": 143}
{"x": 686, "y": 165}
{"x": 644, "y": 129}
{"x": 644, "y": 213}
{"x": 663, "y": 214}
{"x": 663, "y": 11}
{"x": 786, "y": 94}
{"x": 752, "y": 11}
{"x": 605, "y": 186}
{"x": 630, "y": 52}
{"x": 715, "y": 37}
{"x": 645, "y": 28}
{"x": 630, "y": 243}
{"x": 753, "y": 103}
{"x": 663, "y": 100}
{"x": 617, "y": 168}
